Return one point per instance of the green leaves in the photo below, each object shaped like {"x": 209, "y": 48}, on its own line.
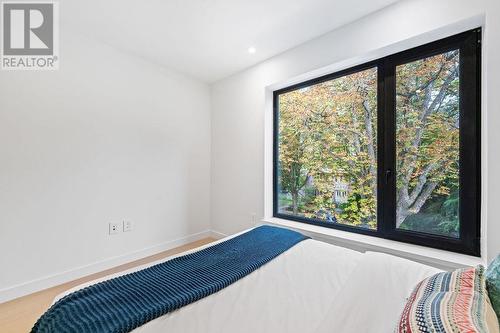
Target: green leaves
{"x": 327, "y": 134}
{"x": 427, "y": 142}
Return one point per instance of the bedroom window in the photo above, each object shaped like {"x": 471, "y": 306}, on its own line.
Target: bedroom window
{"x": 427, "y": 144}
{"x": 389, "y": 148}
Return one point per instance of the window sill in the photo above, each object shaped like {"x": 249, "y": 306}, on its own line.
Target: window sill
{"x": 433, "y": 257}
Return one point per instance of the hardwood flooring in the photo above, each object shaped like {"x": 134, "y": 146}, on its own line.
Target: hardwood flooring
{"x": 20, "y": 314}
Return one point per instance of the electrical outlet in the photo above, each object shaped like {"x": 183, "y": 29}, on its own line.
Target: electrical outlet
{"x": 114, "y": 228}
{"x": 127, "y": 225}
{"x": 254, "y": 218}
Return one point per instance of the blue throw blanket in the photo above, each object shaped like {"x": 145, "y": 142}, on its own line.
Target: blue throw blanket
{"x": 127, "y": 302}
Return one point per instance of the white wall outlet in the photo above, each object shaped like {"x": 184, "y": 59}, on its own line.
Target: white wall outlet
{"x": 114, "y": 228}
{"x": 254, "y": 218}
{"x": 127, "y": 225}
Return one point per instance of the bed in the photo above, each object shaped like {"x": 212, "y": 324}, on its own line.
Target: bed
{"x": 312, "y": 287}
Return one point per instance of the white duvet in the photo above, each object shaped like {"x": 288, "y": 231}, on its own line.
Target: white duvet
{"x": 313, "y": 287}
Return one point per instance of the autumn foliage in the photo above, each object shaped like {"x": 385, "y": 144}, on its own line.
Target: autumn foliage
{"x": 327, "y": 147}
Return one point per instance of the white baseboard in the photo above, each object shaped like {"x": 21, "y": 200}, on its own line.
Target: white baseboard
{"x": 29, "y": 287}
{"x": 217, "y": 234}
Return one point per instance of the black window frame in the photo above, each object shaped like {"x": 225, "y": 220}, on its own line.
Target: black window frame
{"x": 469, "y": 44}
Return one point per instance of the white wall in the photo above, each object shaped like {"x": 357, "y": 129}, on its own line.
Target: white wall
{"x": 239, "y": 102}
{"x": 110, "y": 136}
{"x": 106, "y": 137}
{"x": 492, "y": 120}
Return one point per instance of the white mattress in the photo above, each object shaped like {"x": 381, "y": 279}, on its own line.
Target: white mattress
{"x": 313, "y": 287}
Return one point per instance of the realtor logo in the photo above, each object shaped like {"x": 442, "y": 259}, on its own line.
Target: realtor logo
{"x": 29, "y": 36}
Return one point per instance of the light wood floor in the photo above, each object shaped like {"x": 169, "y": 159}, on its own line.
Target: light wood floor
{"x": 20, "y": 314}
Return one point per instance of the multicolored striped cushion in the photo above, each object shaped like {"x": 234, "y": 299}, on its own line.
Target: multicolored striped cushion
{"x": 461, "y": 280}
{"x": 450, "y": 302}
{"x": 493, "y": 284}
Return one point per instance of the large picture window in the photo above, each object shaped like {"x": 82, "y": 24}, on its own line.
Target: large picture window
{"x": 389, "y": 148}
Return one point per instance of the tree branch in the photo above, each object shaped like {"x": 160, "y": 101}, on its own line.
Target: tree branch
{"x": 429, "y": 107}
{"x": 422, "y": 179}
{"x": 422, "y": 198}
{"x": 370, "y": 146}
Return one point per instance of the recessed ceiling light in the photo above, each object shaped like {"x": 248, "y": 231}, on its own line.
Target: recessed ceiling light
{"x": 252, "y": 50}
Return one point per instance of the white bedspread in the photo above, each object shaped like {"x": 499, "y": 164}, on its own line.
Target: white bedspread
{"x": 313, "y": 287}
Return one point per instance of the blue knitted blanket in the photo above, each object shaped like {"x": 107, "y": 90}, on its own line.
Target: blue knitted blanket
{"x": 129, "y": 301}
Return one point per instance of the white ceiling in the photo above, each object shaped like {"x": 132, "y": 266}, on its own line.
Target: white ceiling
{"x": 208, "y": 39}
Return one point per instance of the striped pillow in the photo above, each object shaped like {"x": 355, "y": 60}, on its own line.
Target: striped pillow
{"x": 461, "y": 280}
{"x": 493, "y": 284}
{"x": 450, "y": 302}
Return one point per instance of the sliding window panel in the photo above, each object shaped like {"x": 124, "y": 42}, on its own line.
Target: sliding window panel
{"x": 428, "y": 145}
{"x": 326, "y": 158}
{"x": 433, "y": 128}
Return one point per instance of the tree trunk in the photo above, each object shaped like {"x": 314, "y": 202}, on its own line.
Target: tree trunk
{"x": 430, "y": 105}
{"x": 370, "y": 147}
{"x": 411, "y": 203}
{"x": 295, "y": 202}
{"x": 401, "y": 214}
{"x": 405, "y": 208}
